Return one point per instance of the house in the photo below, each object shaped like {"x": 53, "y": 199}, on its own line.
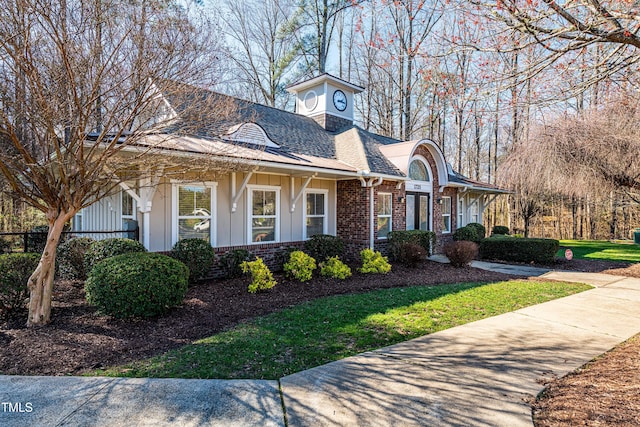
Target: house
{"x": 297, "y": 175}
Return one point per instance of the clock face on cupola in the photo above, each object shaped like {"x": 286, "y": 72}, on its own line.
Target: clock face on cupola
{"x": 339, "y": 100}
{"x": 326, "y": 99}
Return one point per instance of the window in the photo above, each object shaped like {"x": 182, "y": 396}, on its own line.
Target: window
{"x": 418, "y": 171}
{"x": 315, "y": 213}
{"x": 460, "y": 213}
{"x": 384, "y": 215}
{"x": 473, "y": 212}
{"x": 77, "y": 220}
{"x": 264, "y": 215}
{"x": 446, "y": 214}
{"x": 193, "y": 209}
{"x": 128, "y": 206}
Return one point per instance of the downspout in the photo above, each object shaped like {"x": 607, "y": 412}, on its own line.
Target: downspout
{"x": 371, "y": 184}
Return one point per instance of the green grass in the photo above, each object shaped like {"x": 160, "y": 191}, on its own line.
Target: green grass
{"x": 333, "y": 328}
{"x": 603, "y": 250}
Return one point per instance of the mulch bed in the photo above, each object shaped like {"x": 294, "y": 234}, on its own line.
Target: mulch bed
{"x": 79, "y": 340}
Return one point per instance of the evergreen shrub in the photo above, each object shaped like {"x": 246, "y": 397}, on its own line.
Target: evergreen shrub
{"x": 335, "y": 268}
{"x": 261, "y": 277}
{"x": 395, "y": 239}
{"x": 137, "y": 284}
{"x": 197, "y": 254}
{"x": 70, "y": 258}
{"x": 300, "y": 266}
{"x": 500, "y": 230}
{"x": 231, "y": 262}
{"x": 374, "y": 262}
{"x": 528, "y": 250}
{"x": 324, "y": 246}
{"x": 103, "y": 249}
{"x": 15, "y": 270}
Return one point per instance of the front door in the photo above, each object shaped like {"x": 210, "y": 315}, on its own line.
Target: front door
{"x": 418, "y": 211}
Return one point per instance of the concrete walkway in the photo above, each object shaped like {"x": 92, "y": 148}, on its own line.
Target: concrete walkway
{"x": 481, "y": 374}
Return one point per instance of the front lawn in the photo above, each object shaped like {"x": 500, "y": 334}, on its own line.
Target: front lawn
{"x": 336, "y": 327}
{"x": 601, "y": 250}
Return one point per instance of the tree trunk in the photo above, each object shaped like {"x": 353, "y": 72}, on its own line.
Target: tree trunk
{"x": 41, "y": 281}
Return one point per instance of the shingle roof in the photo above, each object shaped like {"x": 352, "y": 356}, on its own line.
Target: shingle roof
{"x": 294, "y": 133}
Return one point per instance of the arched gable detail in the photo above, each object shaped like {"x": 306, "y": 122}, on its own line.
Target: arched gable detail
{"x": 435, "y": 158}
{"x": 250, "y": 133}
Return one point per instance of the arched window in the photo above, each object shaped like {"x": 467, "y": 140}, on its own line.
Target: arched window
{"x": 418, "y": 171}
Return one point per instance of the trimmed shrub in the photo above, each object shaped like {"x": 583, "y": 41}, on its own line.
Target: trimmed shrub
{"x": 300, "y": 266}
{"x": 426, "y": 239}
{"x": 505, "y": 248}
{"x": 324, "y": 246}
{"x": 461, "y": 253}
{"x": 197, "y": 254}
{"x": 70, "y": 258}
{"x": 500, "y": 230}
{"x": 15, "y": 270}
{"x": 231, "y": 262}
{"x": 138, "y": 284}
{"x": 466, "y": 233}
{"x": 480, "y": 229}
{"x": 374, "y": 262}
{"x": 411, "y": 254}
{"x": 261, "y": 277}
{"x": 335, "y": 268}
{"x": 103, "y": 249}
{"x": 282, "y": 257}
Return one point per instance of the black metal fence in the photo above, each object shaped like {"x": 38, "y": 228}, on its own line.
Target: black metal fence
{"x": 34, "y": 241}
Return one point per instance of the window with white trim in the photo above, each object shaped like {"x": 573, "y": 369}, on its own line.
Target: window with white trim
{"x": 460, "y": 213}
{"x": 446, "y": 214}
{"x": 194, "y": 207}
{"x": 384, "y": 215}
{"x": 77, "y": 220}
{"x": 315, "y": 213}
{"x": 264, "y": 214}
{"x": 128, "y": 208}
{"x": 474, "y": 214}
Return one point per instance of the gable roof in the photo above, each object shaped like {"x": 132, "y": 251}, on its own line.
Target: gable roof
{"x": 295, "y": 134}
{"x": 296, "y": 140}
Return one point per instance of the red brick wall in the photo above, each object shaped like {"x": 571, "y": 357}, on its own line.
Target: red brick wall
{"x": 353, "y": 221}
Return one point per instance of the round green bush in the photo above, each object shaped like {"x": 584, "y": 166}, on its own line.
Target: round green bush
{"x": 138, "y": 284}
{"x": 466, "y": 233}
{"x": 500, "y": 229}
{"x": 103, "y": 249}
{"x": 300, "y": 266}
{"x": 15, "y": 270}
{"x": 335, "y": 268}
{"x": 196, "y": 254}
{"x": 70, "y": 258}
{"x": 480, "y": 230}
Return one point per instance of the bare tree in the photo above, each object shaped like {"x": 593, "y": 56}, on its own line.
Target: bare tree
{"x": 313, "y": 24}
{"x": 75, "y": 79}
{"x": 264, "y": 51}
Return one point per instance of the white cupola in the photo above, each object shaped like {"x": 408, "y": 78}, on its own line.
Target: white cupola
{"x": 326, "y": 99}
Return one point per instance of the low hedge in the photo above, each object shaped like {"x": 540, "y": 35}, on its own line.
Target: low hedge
{"x": 396, "y": 239}
{"x": 506, "y": 248}
{"x": 137, "y": 284}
